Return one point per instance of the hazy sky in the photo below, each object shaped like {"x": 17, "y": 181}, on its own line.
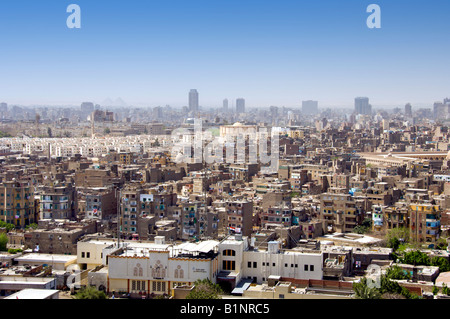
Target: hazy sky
{"x": 269, "y": 52}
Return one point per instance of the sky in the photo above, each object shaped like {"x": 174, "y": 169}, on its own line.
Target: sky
{"x": 280, "y": 53}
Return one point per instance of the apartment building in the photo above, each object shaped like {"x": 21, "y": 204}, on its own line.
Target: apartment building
{"x": 58, "y": 202}
{"x": 280, "y": 215}
{"x": 239, "y": 216}
{"x": 101, "y": 203}
{"x": 338, "y": 212}
{"x": 130, "y": 211}
{"x": 425, "y": 222}
{"x": 17, "y": 204}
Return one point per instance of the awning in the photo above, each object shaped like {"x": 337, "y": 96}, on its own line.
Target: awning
{"x": 242, "y": 286}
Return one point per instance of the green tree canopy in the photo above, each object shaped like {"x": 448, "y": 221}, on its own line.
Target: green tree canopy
{"x": 8, "y": 226}
{"x": 32, "y": 226}
{"x": 362, "y": 291}
{"x": 4, "y": 134}
{"x": 396, "y": 236}
{"x": 90, "y": 293}
{"x": 3, "y": 242}
{"x": 205, "y": 289}
{"x": 388, "y": 288}
{"x": 416, "y": 258}
{"x": 396, "y": 272}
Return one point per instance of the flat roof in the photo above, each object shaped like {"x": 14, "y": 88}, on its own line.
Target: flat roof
{"x": 33, "y": 294}
{"x": 48, "y": 258}
{"x": 243, "y": 285}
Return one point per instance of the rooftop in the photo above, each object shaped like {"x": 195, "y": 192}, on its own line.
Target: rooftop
{"x": 33, "y": 294}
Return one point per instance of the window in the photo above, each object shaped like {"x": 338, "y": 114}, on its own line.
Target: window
{"x": 229, "y": 252}
{"x": 306, "y": 267}
{"x": 88, "y": 255}
{"x": 255, "y": 265}
{"x": 311, "y": 268}
{"x": 249, "y": 264}
{"x": 273, "y": 264}
{"x": 228, "y": 265}
{"x": 82, "y": 254}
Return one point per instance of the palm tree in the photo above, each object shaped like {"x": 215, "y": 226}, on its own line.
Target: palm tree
{"x": 362, "y": 291}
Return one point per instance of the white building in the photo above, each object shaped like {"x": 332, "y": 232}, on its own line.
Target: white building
{"x": 240, "y": 261}
{"x": 157, "y": 267}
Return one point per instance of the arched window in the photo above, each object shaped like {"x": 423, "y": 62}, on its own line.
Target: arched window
{"x": 138, "y": 271}
{"x": 229, "y": 252}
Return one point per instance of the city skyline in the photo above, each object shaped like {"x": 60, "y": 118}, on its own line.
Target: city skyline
{"x": 273, "y": 54}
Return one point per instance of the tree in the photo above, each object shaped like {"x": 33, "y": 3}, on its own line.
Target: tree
{"x": 396, "y": 236}
{"x": 445, "y": 290}
{"x": 367, "y": 223}
{"x": 14, "y": 251}
{"x": 441, "y": 244}
{"x": 440, "y": 262}
{"x": 156, "y": 143}
{"x": 362, "y": 291}
{"x": 4, "y": 134}
{"x": 359, "y": 230}
{"x": 107, "y": 130}
{"x": 365, "y": 227}
{"x": 32, "y": 226}
{"x": 416, "y": 258}
{"x": 393, "y": 243}
{"x": 6, "y": 225}
{"x": 388, "y": 289}
{"x": 396, "y": 272}
{"x": 3, "y": 242}
{"x": 205, "y": 289}
{"x": 49, "y": 132}
{"x": 435, "y": 290}
{"x": 90, "y": 293}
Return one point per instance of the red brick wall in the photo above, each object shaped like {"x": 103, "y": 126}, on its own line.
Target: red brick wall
{"x": 319, "y": 283}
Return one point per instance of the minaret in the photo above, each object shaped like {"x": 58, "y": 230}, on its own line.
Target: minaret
{"x": 93, "y": 124}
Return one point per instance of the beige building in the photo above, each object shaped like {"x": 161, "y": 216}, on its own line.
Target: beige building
{"x": 57, "y": 262}
{"x": 286, "y": 290}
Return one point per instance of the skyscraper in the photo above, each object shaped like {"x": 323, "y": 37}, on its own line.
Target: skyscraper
{"x": 3, "y": 107}
{"x": 225, "y": 105}
{"x": 310, "y": 107}
{"x": 87, "y": 107}
{"x": 362, "y": 106}
{"x": 193, "y": 101}
{"x": 240, "y": 105}
{"x": 408, "y": 110}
